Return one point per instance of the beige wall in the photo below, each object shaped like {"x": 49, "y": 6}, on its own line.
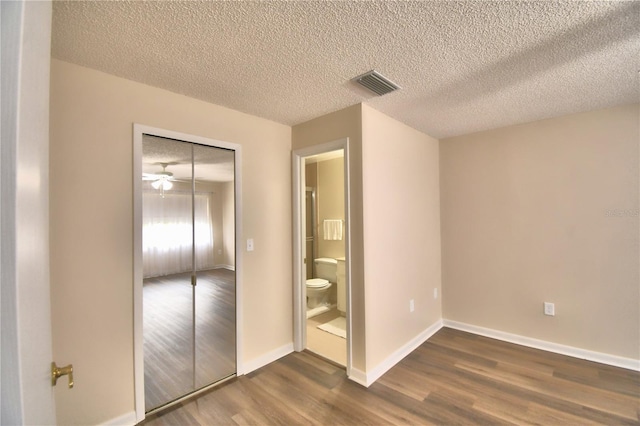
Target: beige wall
{"x": 330, "y": 204}
{"x": 311, "y": 174}
{"x": 395, "y": 227}
{"x": 401, "y": 198}
{"x": 546, "y": 211}
{"x": 91, "y": 225}
{"x": 345, "y": 123}
{"x": 311, "y": 181}
{"x": 539, "y": 212}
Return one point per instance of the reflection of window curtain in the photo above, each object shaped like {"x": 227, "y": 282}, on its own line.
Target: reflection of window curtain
{"x": 166, "y": 233}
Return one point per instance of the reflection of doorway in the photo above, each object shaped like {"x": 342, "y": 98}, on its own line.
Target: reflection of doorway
{"x": 186, "y": 286}
{"x": 319, "y": 328}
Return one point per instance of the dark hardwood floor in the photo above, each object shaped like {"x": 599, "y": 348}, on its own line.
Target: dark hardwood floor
{"x": 453, "y": 378}
{"x": 168, "y": 333}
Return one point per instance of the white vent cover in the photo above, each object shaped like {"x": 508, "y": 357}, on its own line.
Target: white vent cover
{"x": 377, "y": 83}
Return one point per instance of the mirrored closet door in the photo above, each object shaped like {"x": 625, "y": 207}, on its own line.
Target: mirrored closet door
{"x": 188, "y": 257}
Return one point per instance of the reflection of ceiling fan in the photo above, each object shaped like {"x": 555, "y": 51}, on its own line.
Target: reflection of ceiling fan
{"x": 161, "y": 179}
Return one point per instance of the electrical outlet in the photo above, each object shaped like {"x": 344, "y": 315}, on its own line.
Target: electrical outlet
{"x": 435, "y": 293}
{"x": 250, "y": 244}
{"x": 549, "y": 309}
{"x": 411, "y": 305}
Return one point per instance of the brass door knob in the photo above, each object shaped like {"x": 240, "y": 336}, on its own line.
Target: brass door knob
{"x": 57, "y": 372}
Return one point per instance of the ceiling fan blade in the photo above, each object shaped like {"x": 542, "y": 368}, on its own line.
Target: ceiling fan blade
{"x": 154, "y": 176}
{"x": 198, "y": 180}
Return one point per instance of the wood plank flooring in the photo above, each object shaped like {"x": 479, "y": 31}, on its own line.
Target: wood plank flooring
{"x": 168, "y": 333}
{"x": 453, "y": 378}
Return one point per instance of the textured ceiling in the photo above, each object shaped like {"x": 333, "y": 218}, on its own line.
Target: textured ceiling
{"x": 463, "y": 66}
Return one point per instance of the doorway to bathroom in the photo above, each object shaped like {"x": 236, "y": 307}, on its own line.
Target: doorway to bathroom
{"x": 321, "y": 251}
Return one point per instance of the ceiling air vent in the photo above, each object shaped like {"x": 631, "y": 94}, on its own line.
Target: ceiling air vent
{"x": 377, "y": 83}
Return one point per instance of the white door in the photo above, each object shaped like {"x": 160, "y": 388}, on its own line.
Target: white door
{"x": 27, "y": 394}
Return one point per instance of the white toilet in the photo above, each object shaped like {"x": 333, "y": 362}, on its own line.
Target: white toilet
{"x": 318, "y": 288}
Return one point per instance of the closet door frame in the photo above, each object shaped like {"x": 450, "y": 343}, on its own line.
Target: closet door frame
{"x": 139, "y": 130}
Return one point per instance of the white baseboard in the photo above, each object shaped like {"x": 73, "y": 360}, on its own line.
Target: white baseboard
{"x": 128, "y": 419}
{"x": 267, "y": 358}
{"x": 358, "y": 376}
{"x": 368, "y": 378}
{"x": 613, "y": 360}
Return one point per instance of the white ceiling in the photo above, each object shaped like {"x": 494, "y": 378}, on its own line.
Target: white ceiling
{"x": 463, "y": 66}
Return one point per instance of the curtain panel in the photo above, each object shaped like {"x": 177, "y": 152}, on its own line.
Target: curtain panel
{"x": 167, "y": 238}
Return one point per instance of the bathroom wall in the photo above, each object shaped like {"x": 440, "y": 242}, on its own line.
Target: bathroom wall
{"x": 311, "y": 181}
{"x": 330, "y": 204}
{"x": 311, "y": 175}
{"x": 546, "y": 212}
{"x": 91, "y": 228}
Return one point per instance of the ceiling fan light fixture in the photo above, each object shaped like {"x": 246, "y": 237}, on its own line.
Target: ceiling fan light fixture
{"x": 162, "y": 183}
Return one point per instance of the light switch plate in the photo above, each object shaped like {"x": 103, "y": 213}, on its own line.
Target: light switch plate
{"x": 549, "y": 309}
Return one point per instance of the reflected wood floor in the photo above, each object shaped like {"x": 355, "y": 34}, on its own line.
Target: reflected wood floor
{"x": 168, "y": 333}
{"x": 453, "y": 378}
